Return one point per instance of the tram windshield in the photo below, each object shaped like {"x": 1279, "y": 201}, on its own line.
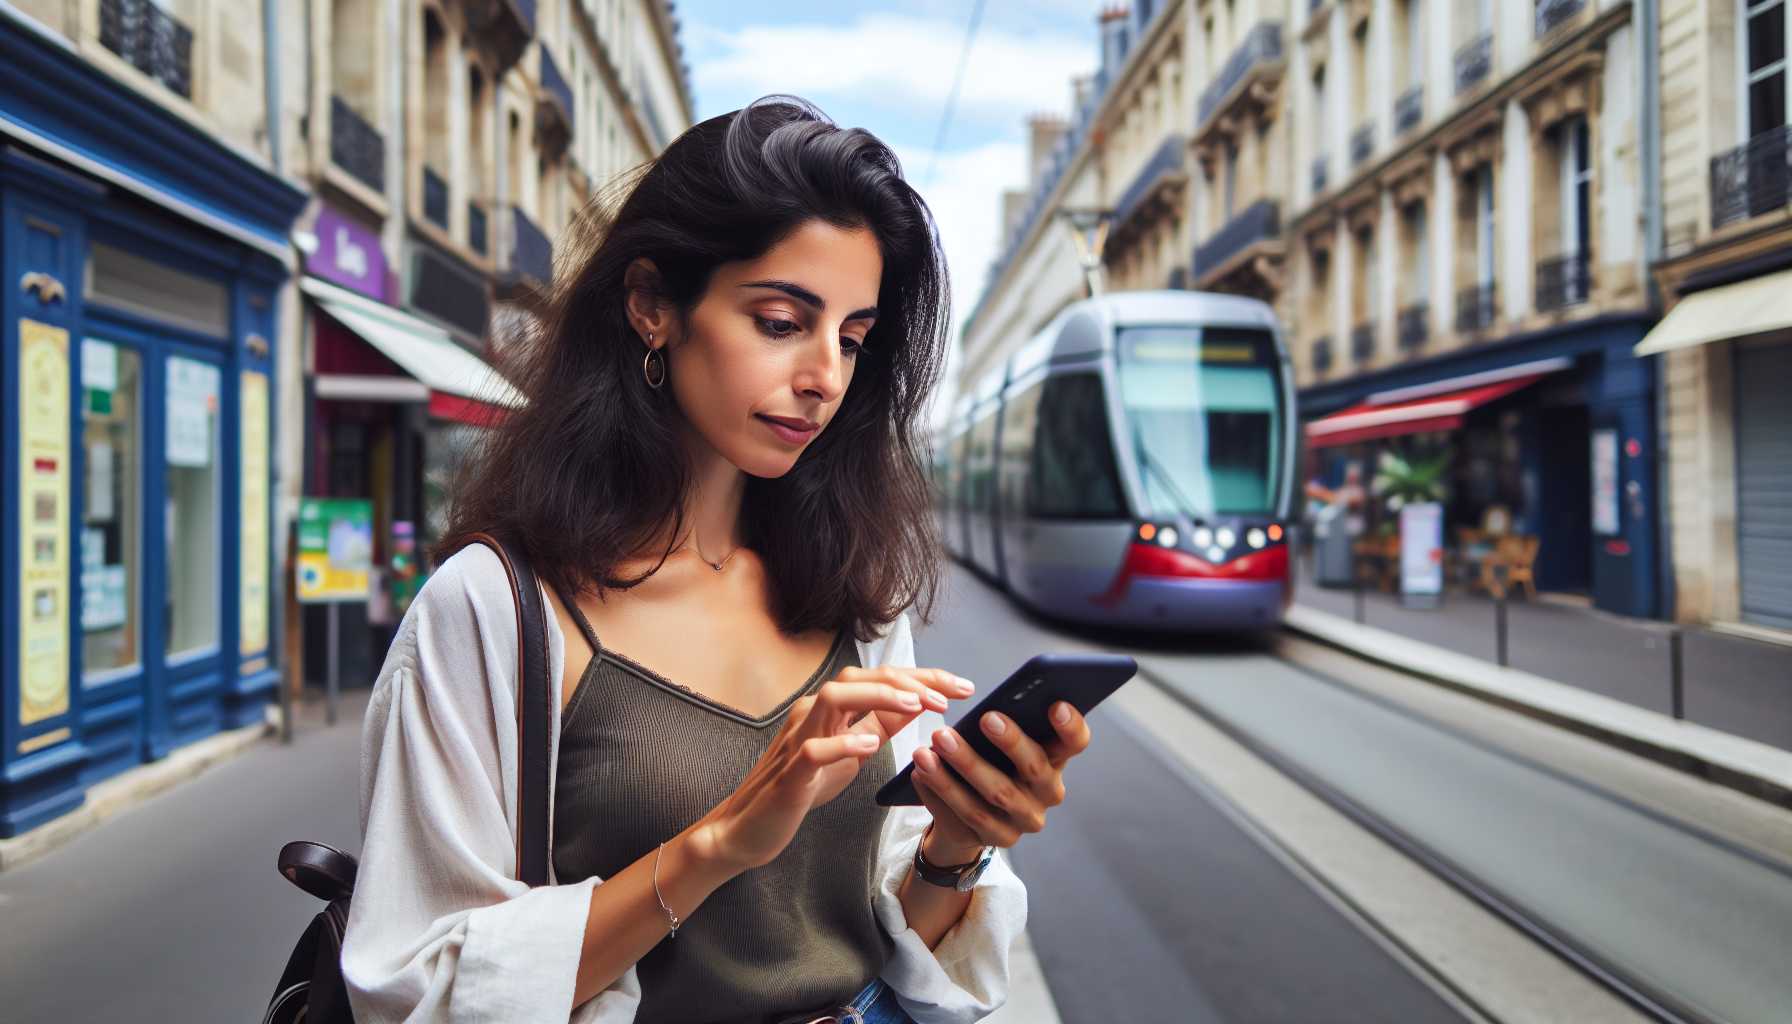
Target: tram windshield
{"x": 1204, "y": 413}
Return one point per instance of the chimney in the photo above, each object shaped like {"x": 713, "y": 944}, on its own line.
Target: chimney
{"x": 1043, "y": 133}
{"x": 1115, "y": 27}
{"x": 1082, "y": 90}
{"x": 1014, "y": 203}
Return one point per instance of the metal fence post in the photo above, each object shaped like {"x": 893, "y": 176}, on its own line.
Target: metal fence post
{"x": 1677, "y": 672}
{"x": 1499, "y": 624}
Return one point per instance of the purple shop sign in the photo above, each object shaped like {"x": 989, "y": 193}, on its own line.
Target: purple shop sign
{"x": 349, "y": 255}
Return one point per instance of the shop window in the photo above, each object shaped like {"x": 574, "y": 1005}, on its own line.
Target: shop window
{"x": 136, "y": 284}
{"x": 112, "y": 520}
{"x": 191, "y": 531}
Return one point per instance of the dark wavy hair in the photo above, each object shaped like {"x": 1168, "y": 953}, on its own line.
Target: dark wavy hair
{"x": 590, "y": 471}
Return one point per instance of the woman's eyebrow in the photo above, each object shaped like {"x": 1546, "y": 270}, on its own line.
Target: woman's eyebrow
{"x": 809, "y": 298}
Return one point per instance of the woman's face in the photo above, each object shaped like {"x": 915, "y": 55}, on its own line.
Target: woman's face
{"x": 769, "y": 350}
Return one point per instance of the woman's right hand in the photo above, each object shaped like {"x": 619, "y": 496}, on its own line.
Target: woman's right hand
{"x": 816, "y": 754}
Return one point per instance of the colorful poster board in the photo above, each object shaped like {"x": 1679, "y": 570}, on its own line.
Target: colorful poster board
{"x": 45, "y": 623}
{"x": 252, "y": 587}
{"x": 335, "y": 549}
{"x": 1606, "y": 519}
{"x": 1422, "y": 549}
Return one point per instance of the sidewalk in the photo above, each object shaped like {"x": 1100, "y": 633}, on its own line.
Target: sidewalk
{"x": 1596, "y": 673}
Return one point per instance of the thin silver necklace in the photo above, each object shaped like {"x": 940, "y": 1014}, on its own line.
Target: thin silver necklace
{"x": 717, "y": 566}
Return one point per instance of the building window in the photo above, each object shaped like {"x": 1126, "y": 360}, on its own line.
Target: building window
{"x": 1231, "y": 193}
{"x": 1418, "y": 264}
{"x": 1577, "y": 183}
{"x": 1764, "y": 70}
{"x": 191, "y": 534}
{"x": 1484, "y": 226}
{"x": 112, "y": 512}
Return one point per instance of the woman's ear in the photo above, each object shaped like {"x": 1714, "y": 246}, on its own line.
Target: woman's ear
{"x": 648, "y": 313}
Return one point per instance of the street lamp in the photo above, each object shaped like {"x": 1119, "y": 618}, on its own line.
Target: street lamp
{"x": 1089, "y": 233}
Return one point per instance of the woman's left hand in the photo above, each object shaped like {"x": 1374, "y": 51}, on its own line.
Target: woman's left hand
{"x": 988, "y": 808}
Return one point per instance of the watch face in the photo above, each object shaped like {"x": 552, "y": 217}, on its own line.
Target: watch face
{"x": 968, "y": 880}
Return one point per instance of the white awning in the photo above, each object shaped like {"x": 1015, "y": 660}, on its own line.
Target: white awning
{"x": 1755, "y": 306}
{"x": 420, "y": 348}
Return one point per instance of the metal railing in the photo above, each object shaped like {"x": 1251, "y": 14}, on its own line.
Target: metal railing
{"x": 1552, "y": 13}
{"x": 1166, "y": 161}
{"x": 1261, "y": 44}
{"x": 1564, "y": 281}
{"x": 150, "y": 40}
{"x": 1752, "y": 179}
{"x": 1321, "y": 173}
{"x": 357, "y": 146}
{"x": 1475, "y": 308}
{"x": 1474, "y": 59}
{"x": 1409, "y": 109}
{"x": 1362, "y": 142}
{"x": 478, "y": 230}
{"x": 530, "y": 251}
{"x": 1322, "y": 354}
{"x": 1413, "y": 326}
{"x": 1362, "y": 342}
{"x": 1260, "y": 221}
{"x": 435, "y": 198}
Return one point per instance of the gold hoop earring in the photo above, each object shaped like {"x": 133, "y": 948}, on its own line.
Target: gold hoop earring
{"x": 653, "y": 367}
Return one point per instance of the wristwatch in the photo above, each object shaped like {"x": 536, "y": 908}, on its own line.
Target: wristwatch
{"x": 962, "y": 877}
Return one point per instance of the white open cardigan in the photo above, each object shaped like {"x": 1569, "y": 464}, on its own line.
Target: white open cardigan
{"x": 441, "y": 930}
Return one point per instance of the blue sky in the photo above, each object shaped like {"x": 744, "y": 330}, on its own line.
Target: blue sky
{"x": 888, "y": 68}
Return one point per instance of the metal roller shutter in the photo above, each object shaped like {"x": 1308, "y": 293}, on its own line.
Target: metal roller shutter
{"x": 1764, "y": 482}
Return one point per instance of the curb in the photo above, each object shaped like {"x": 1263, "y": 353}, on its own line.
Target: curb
{"x": 131, "y": 788}
{"x": 1745, "y": 765}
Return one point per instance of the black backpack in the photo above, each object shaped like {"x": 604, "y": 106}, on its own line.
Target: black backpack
{"x": 311, "y": 989}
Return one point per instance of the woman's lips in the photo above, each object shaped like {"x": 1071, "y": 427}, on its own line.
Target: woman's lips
{"x": 790, "y": 431}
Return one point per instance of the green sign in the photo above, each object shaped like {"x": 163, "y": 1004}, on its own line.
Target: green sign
{"x": 335, "y": 549}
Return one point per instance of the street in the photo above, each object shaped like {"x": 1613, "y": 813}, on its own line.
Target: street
{"x": 1192, "y": 874}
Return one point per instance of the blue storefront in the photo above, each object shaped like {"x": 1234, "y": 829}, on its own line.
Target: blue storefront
{"x": 142, "y": 263}
{"x": 1557, "y": 427}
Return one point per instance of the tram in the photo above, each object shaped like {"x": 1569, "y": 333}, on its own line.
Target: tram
{"x": 1132, "y": 464}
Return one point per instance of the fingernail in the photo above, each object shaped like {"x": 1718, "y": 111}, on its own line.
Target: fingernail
{"x": 935, "y": 700}
{"x": 1061, "y": 714}
{"x": 910, "y": 700}
{"x": 965, "y": 685}
{"x": 993, "y": 722}
{"x": 925, "y": 761}
{"x": 946, "y": 741}
{"x": 864, "y": 741}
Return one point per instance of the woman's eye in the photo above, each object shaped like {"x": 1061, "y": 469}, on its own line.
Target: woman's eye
{"x": 776, "y": 328}
{"x": 851, "y": 347}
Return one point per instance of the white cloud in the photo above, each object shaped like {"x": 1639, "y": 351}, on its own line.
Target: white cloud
{"x": 896, "y": 60}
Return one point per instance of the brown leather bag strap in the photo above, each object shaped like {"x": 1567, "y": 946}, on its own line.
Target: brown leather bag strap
{"x": 533, "y": 710}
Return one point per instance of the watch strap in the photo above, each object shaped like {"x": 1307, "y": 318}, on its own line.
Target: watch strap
{"x": 947, "y": 876}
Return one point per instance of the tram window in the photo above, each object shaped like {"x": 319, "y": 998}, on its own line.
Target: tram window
{"x": 982, "y": 467}
{"x": 1020, "y": 417}
{"x": 1074, "y": 474}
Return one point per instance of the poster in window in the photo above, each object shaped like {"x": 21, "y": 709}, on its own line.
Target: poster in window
{"x": 253, "y": 592}
{"x": 44, "y": 625}
{"x": 1605, "y": 482}
{"x": 192, "y": 403}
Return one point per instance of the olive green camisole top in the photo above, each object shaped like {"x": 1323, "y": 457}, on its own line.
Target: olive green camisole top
{"x": 640, "y": 759}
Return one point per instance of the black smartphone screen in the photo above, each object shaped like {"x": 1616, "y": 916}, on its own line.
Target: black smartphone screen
{"x": 1082, "y": 680}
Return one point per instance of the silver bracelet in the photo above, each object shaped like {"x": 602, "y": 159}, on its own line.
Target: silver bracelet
{"x": 656, "y": 892}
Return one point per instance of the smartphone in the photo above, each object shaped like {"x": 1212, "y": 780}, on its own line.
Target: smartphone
{"x": 1082, "y": 680}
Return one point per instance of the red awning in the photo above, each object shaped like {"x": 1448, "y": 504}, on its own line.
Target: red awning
{"x": 1435, "y": 412}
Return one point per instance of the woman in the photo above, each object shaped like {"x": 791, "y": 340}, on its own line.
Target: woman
{"x": 717, "y": 481}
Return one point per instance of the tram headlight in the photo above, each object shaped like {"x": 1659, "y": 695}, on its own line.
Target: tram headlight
{"x": 1255, "y": 538}
{"x": 1203, "y": 537}
{"x": 1216, "y": 555}
{"x": 1224, "y": 537}
{"x": 1167, "y": 536}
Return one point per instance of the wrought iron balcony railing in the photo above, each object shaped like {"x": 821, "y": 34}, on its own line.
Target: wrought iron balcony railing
{"x": 1163, "y": 164}
{"x": 1414, "y": 326}
{"x": 1475, "y": 308}
{"x": 1321, "y": 170}
{"x": 1362, "y": 142}
{"x": 478, "y": 230}
{"x": 1752, "y": 179}
{"x": 435, "y": 198}
{"x": 1362, "y": 342}
{"x": 1409, "y": 109}
{"x": 150, "y": 40}
{"x": 530, "y": 251}
{"x": 1322, "y": 354}
{"x": 1259, "y": 222}
{"x": 357, "y": 146}
{"x": 1474, "y": 60}
{"x": 1261, "y": 44}
{"x": 1564, "y": 281}
{"x": 1552, "y": 13}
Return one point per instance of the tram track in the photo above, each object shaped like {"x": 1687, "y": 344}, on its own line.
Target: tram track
{"x": 1646, "y": 997}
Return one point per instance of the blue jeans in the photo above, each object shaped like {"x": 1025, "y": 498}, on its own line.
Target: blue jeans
{"x": 875, "y": 1004}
